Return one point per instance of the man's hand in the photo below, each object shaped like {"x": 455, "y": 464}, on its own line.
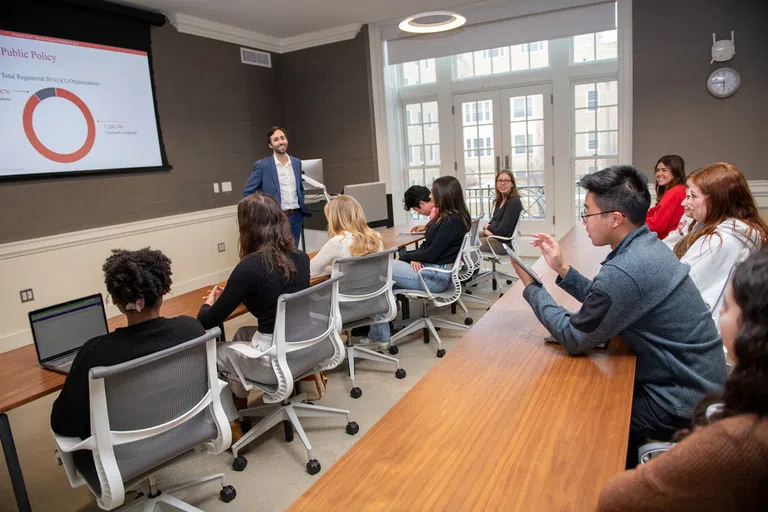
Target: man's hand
{"x": 522, "y": 274}
{"x": 552, "y": 253}
{"x": 416, "y": 266}
{"x": 418, "y": 228}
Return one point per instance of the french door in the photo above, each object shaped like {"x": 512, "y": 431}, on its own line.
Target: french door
{"x": 507, "y": 129}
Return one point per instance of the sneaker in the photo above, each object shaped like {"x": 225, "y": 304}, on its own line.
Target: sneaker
{"x": 379, "y": 345}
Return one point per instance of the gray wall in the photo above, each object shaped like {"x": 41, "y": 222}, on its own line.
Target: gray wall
{"x": 328, "y": 109}
{"x": 213, "y": 112}
{"x": 673, "y": 112}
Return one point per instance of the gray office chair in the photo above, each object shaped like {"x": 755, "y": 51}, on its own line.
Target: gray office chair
{"x": 441, "y": 299}
{"x": 305, "y": 340}
{"x": 148, "y": 414}
{"x": 649, "y": 451}
{"x": 496, "y": 259}
{"x": 365, "y": 294}
{"x": 470, "y": 263}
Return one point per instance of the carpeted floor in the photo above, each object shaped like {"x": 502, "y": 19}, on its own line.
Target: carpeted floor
{"x": 276, "y": 473}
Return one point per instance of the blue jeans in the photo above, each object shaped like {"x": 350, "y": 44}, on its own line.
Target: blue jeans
{"x": 407, "y": 278}
{"x": 296, "y": 220}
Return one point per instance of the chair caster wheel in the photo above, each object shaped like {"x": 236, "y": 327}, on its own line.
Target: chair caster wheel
{"x": 353, "y": 428}
{"x": 313, "y": 467}
{"x": 239, "y": 463}
{"x": 393, "y": 349}
{"x": 509, "y": 281}
{"x": 441, "y": 352}
{"x": 400, "y": 373}
{"x": 468, "y": 321}
{"x": 227, "y": 494}
{"x": 356, "y": 393}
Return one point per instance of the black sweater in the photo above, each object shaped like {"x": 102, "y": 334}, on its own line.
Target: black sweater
{"x": 252, "y": 284}
{"x": 71, "y": 410}
{"x": 504, "y": 220}
{"x": 442, "y": 242}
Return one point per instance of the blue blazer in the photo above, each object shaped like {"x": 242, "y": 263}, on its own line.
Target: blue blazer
{"x": 264, "y": 178}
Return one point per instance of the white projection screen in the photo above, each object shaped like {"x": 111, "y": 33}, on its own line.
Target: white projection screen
{"x": 69, "y": 107}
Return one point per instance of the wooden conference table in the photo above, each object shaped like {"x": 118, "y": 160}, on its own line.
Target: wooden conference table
{"x": 22, "y": 380}
{"x": 503, "y": 422}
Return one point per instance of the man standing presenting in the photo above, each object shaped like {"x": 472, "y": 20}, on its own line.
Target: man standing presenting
{"x": 643, "y": 294}
{"x": 279, "y": 176}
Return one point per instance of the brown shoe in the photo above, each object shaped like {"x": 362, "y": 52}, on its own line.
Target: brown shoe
{"x": 237, "y": 432}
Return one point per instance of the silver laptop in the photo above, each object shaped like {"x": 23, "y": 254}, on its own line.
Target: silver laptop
{"x": 59, "y": 331}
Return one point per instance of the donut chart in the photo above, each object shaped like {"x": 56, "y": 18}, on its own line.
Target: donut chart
{"x": 29, "y": 110}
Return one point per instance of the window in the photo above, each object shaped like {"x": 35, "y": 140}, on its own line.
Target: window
{"x": 502, "y": 60}
{"x": 422, "y": 143}
{"x": 597, "y": 46}
{"x": 595, "y": 130}
{"x": 519, "y": 109}
{"x": 418, "y": 72}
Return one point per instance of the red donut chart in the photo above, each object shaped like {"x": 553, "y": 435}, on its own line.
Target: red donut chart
{"x": 29, "y": 110}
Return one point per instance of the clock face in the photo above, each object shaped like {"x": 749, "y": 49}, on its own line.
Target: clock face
{"x": 723, "y": 82}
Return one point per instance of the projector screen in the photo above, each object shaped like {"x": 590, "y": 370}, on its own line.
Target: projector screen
{"x": 69, "y": 106}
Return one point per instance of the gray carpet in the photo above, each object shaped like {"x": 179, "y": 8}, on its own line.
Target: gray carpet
{"x": 275, "y": 475}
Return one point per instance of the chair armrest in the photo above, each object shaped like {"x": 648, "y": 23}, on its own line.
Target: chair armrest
{"x": 500, "y": 238}
{"x": 63, "y": 453}
{"x": 250, "y": 353}
{"x": 650, "y": 450}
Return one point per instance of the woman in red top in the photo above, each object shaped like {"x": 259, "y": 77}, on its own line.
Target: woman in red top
{"x": 664, "y": 217}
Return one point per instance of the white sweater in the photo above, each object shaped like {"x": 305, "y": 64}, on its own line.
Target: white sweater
{"x": 711, "y": 261}
{"x": 679, "y": 232}
{"x": 335, "y": 248}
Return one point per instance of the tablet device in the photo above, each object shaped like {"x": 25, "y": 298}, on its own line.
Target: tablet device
{"x": 517, "y": 259}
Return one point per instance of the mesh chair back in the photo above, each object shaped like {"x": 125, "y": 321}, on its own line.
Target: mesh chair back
{"x": 472, "y": 255}
{"x": 366, "y": 289}
{"x": 474, "y": 231}
{"x": 154, "y": 390}
{"x": 452, "y": 294}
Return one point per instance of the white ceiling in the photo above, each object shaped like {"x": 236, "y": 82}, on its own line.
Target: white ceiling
{"x": 289, "y": 18}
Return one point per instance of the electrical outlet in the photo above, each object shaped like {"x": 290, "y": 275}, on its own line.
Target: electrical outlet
{"x": 27, "y": 295}
{"x": 226, "y": 186}
{"x": 222, "y": 247}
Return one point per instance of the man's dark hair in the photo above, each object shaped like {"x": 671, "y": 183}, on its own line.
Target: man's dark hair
{"x": 133, "y": 275}
{"x": 620, "y": 188}
{"x": 272, "y": 131}
{"x": 414, "y": 195}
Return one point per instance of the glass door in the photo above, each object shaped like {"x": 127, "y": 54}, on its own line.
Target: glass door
{"x": 507, "y": 129}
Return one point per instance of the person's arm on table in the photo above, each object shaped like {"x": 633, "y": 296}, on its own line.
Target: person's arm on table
{"x": 254, "y": 181}
{"x": 332, "y": 250}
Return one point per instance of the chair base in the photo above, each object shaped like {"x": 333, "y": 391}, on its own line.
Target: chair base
{"x": 356, "y": 351}
{"x": 147, "y": 504}
{"x": 290, "y": 410}
{"x": 429, "y": 324}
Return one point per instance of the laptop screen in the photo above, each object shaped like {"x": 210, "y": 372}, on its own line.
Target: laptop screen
{"x": 65, "y": 327}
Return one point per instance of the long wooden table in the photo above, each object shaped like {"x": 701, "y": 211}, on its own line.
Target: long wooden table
{"x": 503, "y": 422}
{"x": 22, "y": 380}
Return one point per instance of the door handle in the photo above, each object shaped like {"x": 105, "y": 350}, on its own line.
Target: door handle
{"x": 506, "y": 162}
{"x": 498, "y": 164}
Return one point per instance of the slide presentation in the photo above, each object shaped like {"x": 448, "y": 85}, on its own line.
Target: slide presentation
{"x": 68, "y": 106}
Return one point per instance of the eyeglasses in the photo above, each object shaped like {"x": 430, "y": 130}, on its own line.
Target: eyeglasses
{"x": 584, "y": 214}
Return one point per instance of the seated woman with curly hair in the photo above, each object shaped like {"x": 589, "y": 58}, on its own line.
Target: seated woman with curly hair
{"x": 723, "y": 463}
{"x": 137, "y": 281}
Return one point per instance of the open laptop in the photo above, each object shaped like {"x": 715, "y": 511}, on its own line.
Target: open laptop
{"x": 59, "y": 331}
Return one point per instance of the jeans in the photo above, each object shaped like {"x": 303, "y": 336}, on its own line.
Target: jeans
{"x": 407, "y": 278}
{"x": 296, "y": 220}
{"x": 650, "y": 421}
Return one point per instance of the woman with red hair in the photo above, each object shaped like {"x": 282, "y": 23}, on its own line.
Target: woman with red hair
{"x": 728, "y": 229}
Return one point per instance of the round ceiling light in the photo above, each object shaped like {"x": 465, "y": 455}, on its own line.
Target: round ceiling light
{"x": 447, "y": 21}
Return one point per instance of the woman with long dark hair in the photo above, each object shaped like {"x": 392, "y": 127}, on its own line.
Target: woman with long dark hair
{"x": 723, "y": 464}
{"x": 664, "y": 216}
{"x": 269, "y": 266}
{"x": 506, "y": 212}
{"x": 442, "y": 241}
{"x": 729, "y": 229}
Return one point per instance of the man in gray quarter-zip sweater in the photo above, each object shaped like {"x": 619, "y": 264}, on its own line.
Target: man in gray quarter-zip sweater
{"x": 642, "y": 294}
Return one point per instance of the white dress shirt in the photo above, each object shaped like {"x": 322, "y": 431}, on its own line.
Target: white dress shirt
{"x": 289, "y": 197}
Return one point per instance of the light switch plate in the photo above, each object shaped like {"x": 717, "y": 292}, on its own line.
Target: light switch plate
{"x": 215, "y": 188}
{"x": 226, "y": 186}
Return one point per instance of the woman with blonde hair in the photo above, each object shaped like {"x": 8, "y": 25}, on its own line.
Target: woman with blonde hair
{"x": 728, "y": 229}
{"x": 348, "y": 233}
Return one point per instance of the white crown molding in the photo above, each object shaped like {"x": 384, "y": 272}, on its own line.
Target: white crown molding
{"x": 88, "y": 236}
{"x": 219, "y": 31}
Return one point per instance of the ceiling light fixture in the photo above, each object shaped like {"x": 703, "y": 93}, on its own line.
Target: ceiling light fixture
{"x": 411, "y": 25}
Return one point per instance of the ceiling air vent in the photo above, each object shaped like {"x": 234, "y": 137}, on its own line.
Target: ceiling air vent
{"x": 255, "y": 58}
